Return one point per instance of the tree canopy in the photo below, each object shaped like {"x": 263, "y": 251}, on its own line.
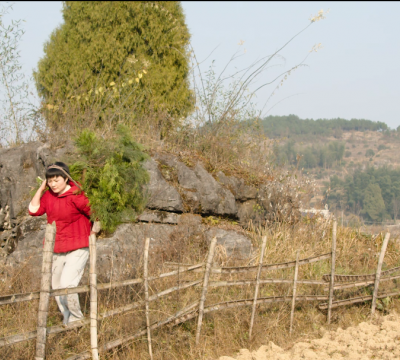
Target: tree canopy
{"x": 373, "y": 193}
{"x": 324, "y": 156}
{"x": 108, "y": 45}
{"x": 292, "y": 126}
{"x": 374, "y": 205}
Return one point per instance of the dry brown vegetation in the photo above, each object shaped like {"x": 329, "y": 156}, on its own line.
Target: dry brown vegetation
{"x": 223, "y": 332}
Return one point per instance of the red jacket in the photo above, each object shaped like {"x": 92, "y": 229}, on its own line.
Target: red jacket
{"x": 71, "y": 213}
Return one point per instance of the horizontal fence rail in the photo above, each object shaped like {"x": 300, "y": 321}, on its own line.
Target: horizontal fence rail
{"x": 266, "y": 281}
{"x": 361, "y": 283}
{"x": 13, "y": 339}
{"x": 241, "y": 269}
{"x": 355, "y": 300}
{"x": 348, "y": 278}
{"x": 14, "y": 298}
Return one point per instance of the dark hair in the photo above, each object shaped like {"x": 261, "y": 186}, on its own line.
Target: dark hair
{"x": 52, "y": 172}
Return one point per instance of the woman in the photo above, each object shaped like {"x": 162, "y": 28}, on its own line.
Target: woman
{"x": 67, "y": 205}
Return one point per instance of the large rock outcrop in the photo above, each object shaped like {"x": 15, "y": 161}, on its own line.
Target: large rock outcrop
{"x": 201, "y": 192}
{"x": 19, "y": 167}
{"x": 174, "y": 190}
{"x": 161, "y": 195}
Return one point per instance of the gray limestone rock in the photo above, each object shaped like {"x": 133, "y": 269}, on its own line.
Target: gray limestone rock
{"x": 201, "y": 192}
{"x": 236, "y": 245}
{"x": 18, "y": 169}
{"x": 157, "y": 216}
{"x": 161, "y": 195}
{"x": 241, "y": 191}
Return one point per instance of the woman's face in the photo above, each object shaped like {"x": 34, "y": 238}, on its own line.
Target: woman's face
{"x": 57, "y": 184}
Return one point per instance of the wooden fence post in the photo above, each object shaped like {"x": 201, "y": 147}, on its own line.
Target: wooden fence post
{"x": 45, "y": 291}
{"x": 296, "y": 272}
{"x": 253, "y": 311}
{"x": 205, "y": 286}
{"x": 93, "y": 297}
{"x": 378, "y": 272}
{"x": 146, "y": 292}
{"x": 332, "y": 283}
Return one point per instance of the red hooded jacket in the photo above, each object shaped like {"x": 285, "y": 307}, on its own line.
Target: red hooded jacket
{"x": 71, "y": 213}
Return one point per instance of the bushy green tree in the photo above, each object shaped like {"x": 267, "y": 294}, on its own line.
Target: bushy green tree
{"x": 369, "y": 153}
{"x": 356, "y": 192}
{"x": 374, "y": 205}
{"x": 111, "y": 175}
{"x": 105, "y": 46}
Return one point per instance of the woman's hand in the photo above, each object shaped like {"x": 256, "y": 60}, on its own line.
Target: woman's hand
{"x": 43, "y": 186}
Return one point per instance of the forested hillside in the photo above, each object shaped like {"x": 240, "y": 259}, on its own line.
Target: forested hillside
{"x": 291, "y": 126}
{"x": 372, "y": 193}
{"x": 354, "y": 162}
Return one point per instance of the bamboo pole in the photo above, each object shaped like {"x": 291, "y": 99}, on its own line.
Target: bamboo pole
{"x": 241, "y": 269}
{"x": 359, "y": 299}
{"x": 378, "y": 272}
{"x": 248, "y": 302}
{"x": 353, "y": 278}
{"x": 13, "y": 339}
{"x": 205, "y": 286}
{"x": 45, "y": 291}
{"x": 265, "y": 281}
{"x": 253, "y": 311}
{"x": 296, "y": 272}
{"x": 93, "y": 297}
{"x": 332, "y": 283}
{"x": 362, "y": 283}
{"x": 146, "y": 292}
{"x": 14, "y": 298}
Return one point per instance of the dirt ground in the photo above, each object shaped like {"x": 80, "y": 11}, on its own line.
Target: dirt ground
{"x": 379, "y": 339}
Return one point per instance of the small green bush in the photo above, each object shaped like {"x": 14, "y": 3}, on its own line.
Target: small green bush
{"x": 369, "y": 153}
{"x": 347, "y": 154}
{"x": 112, "y": 176}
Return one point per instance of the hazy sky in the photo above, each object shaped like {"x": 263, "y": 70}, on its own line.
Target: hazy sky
{"x": 356, "y": 74}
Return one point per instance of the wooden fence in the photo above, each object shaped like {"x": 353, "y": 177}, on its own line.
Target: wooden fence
{"x": 197, "y": 309}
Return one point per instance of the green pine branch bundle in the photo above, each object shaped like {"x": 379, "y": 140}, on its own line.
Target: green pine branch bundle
{"x": 112, "y": 176}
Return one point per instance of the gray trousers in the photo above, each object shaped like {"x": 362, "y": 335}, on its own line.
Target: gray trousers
{"x": 67, "y": 272}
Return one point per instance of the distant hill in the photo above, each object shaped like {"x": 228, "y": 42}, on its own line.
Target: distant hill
{"x": 291, "y": 126}
{"x": 355, "y": 163}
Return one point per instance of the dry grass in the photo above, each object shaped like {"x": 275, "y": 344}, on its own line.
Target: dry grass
{"x": 223, "y": 332}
